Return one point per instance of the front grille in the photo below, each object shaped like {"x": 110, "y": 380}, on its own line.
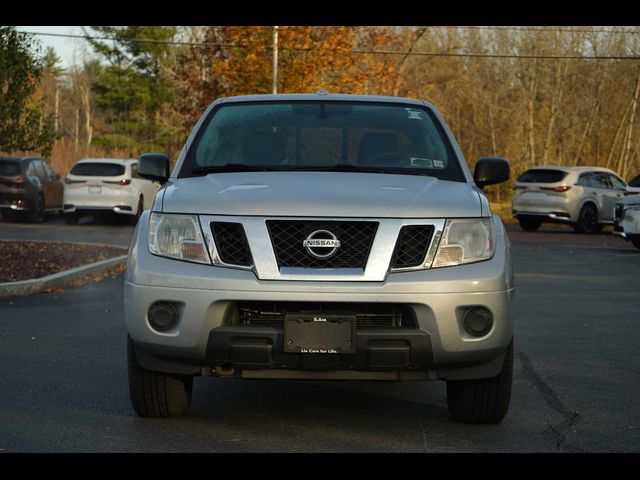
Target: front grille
{"x": 271, "y": 314}
{"x": 287, "y": 237}
{"x": 618, "y": 212}
{"x": 412, "y": 245}
{"x": 231, "y": 243}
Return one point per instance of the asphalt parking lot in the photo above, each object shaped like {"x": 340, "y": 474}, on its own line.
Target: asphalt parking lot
{"x": 63, "y": 381}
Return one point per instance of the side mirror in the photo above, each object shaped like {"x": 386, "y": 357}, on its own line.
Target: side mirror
{"x": 490, "y": 171}
{"x": 154, "y": 166}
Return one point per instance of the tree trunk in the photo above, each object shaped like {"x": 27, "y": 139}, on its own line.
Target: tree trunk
{"x": 77, "y": 135}
{"x": 86, "y": 110}
{"x": 594, "y": 111}
{"x": 56, "y": 115}
{"x": 556, "y": 100}
{"x": 533, "y": 89}
{"x": 626, "y": 149}
{"x": 617, "y": 136}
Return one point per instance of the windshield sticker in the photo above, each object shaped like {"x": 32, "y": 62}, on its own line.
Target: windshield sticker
{"x": 438, "y": 164}
{"x": 414, "y": 114}
{"x": 421, "y": 162}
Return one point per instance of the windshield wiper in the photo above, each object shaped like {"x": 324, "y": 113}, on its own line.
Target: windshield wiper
{"x": 345, "y": 167}
{"x": 340, "y": 167}
{"x": 231, "y": 167}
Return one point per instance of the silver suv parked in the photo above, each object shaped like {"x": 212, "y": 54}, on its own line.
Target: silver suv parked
{"x": 321, "y": 237}
{"x": 583, "y": 197}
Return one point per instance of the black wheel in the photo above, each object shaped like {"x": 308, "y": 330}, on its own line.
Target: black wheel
{"x": 8, "y": 215}
{"x": 156, "y": 394}
{"x": 485, "y": 400}
{"x": 134, "y": 220}
{"x": 71, "y": 218}
{"x": 636, "y": 242}
{"x": 587, "y": 219}
{"x": 529, "y": 225}
{"x": 37, "y": 213}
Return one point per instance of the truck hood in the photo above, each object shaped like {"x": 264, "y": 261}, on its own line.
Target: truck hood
{"x": 321, "y": 194}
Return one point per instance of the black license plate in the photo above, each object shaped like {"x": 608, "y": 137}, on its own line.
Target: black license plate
{"x": 318, "y": 333}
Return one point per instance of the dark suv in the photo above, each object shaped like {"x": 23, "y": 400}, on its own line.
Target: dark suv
{"x": 29, "y": 188}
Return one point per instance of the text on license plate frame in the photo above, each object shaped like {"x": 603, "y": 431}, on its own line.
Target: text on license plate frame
{"x": 319, "y": 333}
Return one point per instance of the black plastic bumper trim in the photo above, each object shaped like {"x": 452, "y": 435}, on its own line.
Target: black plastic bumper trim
{"x": 376, "y": 349}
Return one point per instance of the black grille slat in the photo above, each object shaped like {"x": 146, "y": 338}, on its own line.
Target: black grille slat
{"x": 287, "y": 238}
{"x": 231, "y": 243}
{"x": 412, "y": 245}
{"x": 271, "y": 314}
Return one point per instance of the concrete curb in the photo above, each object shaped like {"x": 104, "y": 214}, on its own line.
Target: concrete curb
{"x": 60, "y": 279}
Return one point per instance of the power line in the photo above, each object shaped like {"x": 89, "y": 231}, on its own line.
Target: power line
{"x": 355, "y": 51}
{"x": 542, "y": 29}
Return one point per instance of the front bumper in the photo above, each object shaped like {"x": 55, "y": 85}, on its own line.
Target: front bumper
{"x": 98, "y": 210}
{"x": 120, "y": 201}
{"x": 550, "y": 217}
{"x": 438, "y": 347}
{"x": 627, "y": 223}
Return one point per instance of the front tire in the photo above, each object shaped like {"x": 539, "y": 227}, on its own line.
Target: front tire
{"x": 636, "y": 242}
{"x": 37, "y": 213}
{"x": 71, "y": 218}
{"x": 156, "y": 394}
{"x": 485, "y": 400}
{"x": 587, "y": 219}
{"x": 134, "y": 220}
{"x": 529, "y": 225}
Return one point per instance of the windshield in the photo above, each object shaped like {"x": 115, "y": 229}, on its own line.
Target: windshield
{"x": 98, "y": 169}
{"x": 323, "y": 136}
{"x": 8, "y": 169}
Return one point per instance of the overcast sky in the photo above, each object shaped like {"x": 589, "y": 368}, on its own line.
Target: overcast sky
{"x": 65, "y": 47}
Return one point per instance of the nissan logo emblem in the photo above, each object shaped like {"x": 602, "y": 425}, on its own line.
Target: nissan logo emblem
{"x": 321, "y": 244}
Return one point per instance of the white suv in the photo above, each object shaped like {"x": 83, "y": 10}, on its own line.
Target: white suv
{"x": 99, "y": 185}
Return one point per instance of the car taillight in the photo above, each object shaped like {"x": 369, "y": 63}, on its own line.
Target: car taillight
{"x": 125, "y": 181}
{"x": 68, "y": 181}
{"x": 13, "y": 180}
{"x": 560, "y": 189}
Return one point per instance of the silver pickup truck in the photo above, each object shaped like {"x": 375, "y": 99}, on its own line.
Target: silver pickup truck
{"x": 321, "y": 237}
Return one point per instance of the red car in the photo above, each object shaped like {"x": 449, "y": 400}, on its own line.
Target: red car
{"x": 28, "y": 188}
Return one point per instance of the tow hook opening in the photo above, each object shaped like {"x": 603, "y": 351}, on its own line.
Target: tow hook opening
{"x": 224, "y": 372}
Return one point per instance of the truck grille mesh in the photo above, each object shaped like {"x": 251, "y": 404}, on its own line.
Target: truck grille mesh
{"x": 231, "y": 243}
{"x": 287, "y": 237}
{"x": 412, "y": 245}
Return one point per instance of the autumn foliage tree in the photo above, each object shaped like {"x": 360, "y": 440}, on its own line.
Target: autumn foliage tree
{"x": 23, "y": 126}
{"x": 237, "y": 60}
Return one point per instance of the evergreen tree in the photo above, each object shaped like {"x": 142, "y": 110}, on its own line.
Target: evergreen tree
{"x": 132, "y": 86}
{"x": 23, "y": 126}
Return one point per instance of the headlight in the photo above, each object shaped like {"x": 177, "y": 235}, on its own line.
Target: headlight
{"x": 466, "y": 241}
{"x": 177, "y": 236}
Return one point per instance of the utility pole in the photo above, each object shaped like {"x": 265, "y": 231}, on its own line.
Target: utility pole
{"x": 275, "y": 60}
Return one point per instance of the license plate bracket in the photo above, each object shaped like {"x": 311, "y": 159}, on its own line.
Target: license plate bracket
{"x": 319, "y": 333}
